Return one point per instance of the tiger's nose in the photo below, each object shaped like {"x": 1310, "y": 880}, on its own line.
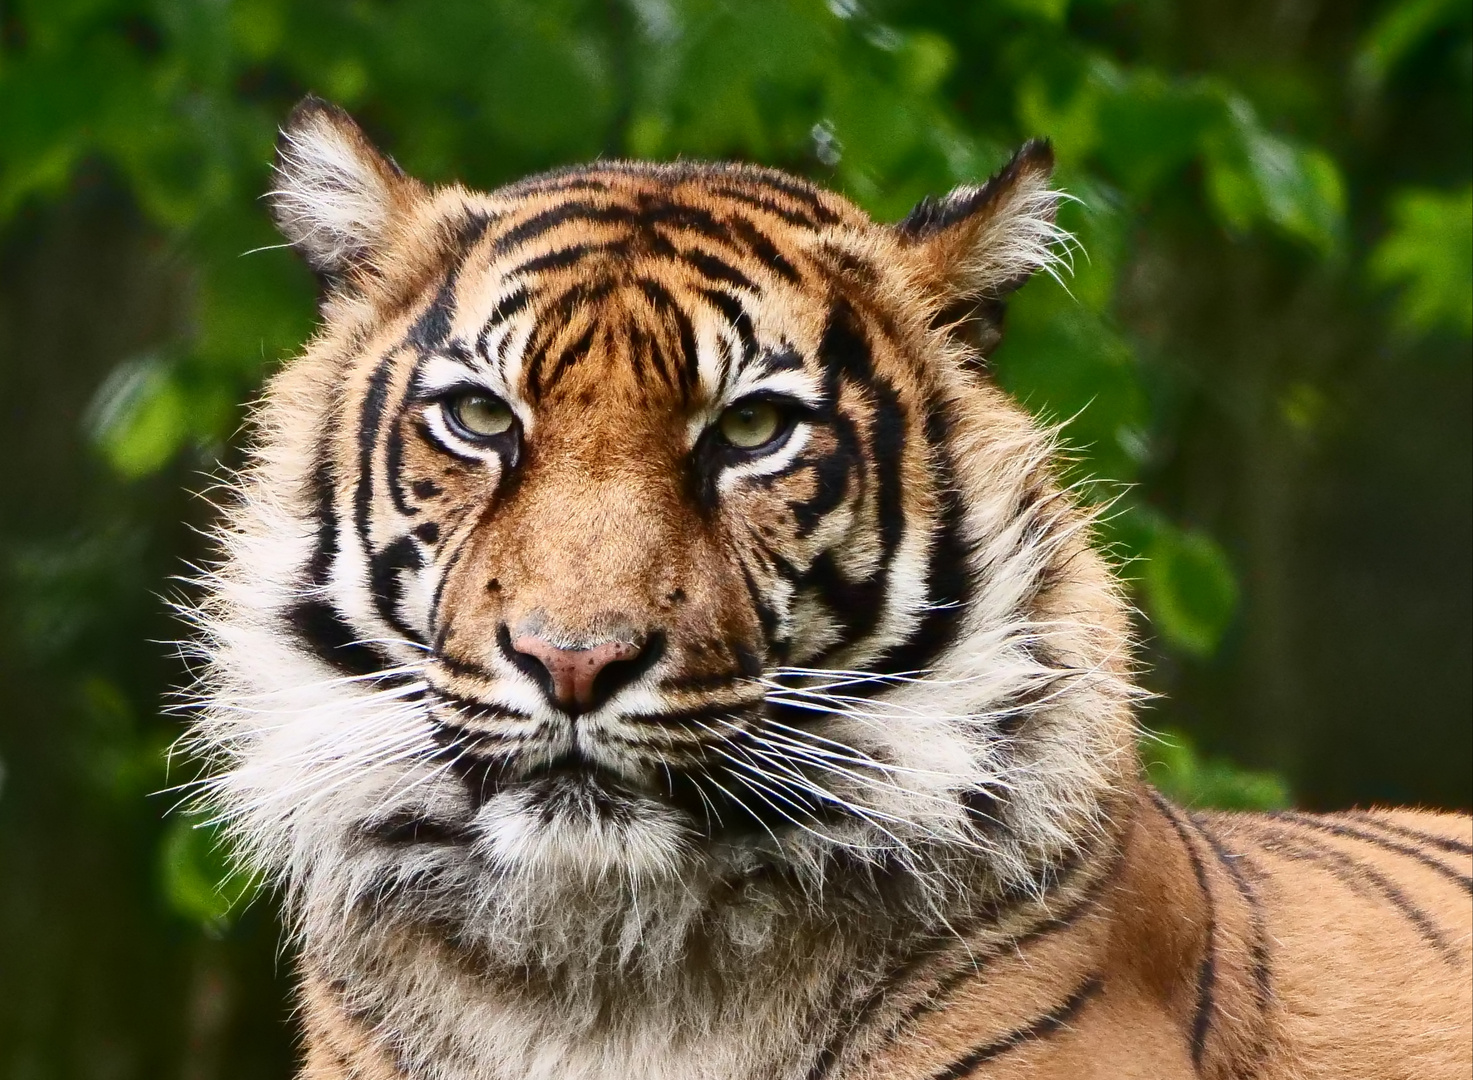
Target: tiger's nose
{"x": 574, "y": 674}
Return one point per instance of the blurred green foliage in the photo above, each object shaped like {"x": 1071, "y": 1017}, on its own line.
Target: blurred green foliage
{"x": 1179, "y": 769}
{"x": 1262, "y": 187}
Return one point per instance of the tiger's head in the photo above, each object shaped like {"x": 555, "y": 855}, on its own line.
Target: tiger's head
{"x": 644, "y": 522}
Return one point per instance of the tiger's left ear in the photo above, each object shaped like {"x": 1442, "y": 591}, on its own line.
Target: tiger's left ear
{"x": 971, "y": 249}
{"x": 336, "y": 198}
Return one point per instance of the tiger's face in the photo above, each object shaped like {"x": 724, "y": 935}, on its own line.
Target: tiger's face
{"x": 637, "y": 514}
{"x": 639, "y": 474}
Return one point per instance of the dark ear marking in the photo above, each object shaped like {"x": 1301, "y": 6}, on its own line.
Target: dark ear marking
{"x": 933, "y": 214}
{"x": 974, "y": 247}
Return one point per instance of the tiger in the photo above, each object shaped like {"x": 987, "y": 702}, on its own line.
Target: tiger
{"x": 645, "y": 642}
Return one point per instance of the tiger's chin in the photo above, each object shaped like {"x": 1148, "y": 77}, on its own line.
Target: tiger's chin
{"x": 582, "y": 824}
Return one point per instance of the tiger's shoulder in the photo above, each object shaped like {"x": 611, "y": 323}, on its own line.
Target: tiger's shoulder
{"x": 1220, "y": 945}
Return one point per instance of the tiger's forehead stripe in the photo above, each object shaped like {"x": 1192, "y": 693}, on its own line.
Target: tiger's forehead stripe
{"x": 562, "y": 261}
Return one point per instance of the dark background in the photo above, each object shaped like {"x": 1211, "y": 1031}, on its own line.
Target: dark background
{"x": 1268, "y": 342}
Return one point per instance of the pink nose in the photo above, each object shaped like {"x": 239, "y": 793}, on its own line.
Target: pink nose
{"x": 574, "y": 671}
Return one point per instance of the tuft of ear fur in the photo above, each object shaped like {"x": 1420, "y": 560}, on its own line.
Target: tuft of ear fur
{"x": 972, "y": 248}
{"x": 335, "y": 194}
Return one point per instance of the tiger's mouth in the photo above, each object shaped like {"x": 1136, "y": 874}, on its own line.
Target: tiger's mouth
{"x": 548, "y": 783}
{"x": 683, "y": 763}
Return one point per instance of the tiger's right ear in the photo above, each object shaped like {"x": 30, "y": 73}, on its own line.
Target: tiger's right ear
{"x": 335, "y": 194}
{"x": 972, "y": 249}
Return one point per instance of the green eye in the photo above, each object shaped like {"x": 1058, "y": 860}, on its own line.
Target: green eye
{"x": 750, "y": 425}
{"x": 480, "y": 416}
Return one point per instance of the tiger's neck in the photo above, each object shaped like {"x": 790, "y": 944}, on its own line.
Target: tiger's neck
{"x": 759, "y": 982}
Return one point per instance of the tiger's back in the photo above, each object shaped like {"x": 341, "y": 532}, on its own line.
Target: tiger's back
{"x": 648, "y": 645}
{"x": 1221, "y": 945}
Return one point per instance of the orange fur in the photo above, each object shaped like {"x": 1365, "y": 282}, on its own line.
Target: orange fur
{"x": 1005, "y": 896}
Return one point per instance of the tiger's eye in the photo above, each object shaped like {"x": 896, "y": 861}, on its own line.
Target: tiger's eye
{"x": 749, "y": 425}
{"x": 481, "y": 416}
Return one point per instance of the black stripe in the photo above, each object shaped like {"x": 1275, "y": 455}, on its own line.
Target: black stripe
{"x": 386, "y": 569}
{"x": 464, "y": 668}
{"x": 732, "y": 310}
{"x": 411, "y": 827}
{"x": 394, "y": 463}
{"x": 887, "y": 451}
{"x": 687, "y": 370}
{"x": 554, "y": 317}
{"x": 429, "y": 332}
{"x": 1051, "y": 878}
{"x": 508, "y": 306}
{"x": 762, "y": 248}
{"x": 432, "y": 327}
{"x": 843, "y": 350}
{"x": 1049, "y": 1024}
{"x": 546, "y": 220}
{"x": 758, "y": 191}
{"x": 948, "y": 564}
{"x": 450, "y": 731}
{"x": 843, "y": 353}
{"x": 318, "y": 624}
{"x": 1258, "y": 949}
{"x": 937, "y": 999}
{"x": 1446, "y": 843}
{"x": 384, "y": 566}
{"x": 801, "y": 218}
{"x": 569, "y": 357}
{"x": 1207, "y": 971}
{"x": 1356, "y": 874}
{"x": 564, "y": 179}
{"x": 857, "y": 605}
{"x": 717, "y": 269}
{"x": 436, "y": 628}
{"x": 370, "y": 416}
{"x": 678, "y": 372}
{"x": 831, "y": 477}
{"x": 564, "y": 257}
{"x": 660, "y": 210}
{"x": 785, "y": 359}
{"x": 766, "y": 616}
{"x": 315, "y": 621}
{"x": 323, "y": 484}
{"x": 1309, "y": 821}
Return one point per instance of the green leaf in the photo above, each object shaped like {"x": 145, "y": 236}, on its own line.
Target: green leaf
{"x": 1070, "y": 118}
{"x": 1151, "y": 126}
{"x": 1429, "y": 254}
{"x": 1254, "y": 175}
{"x": 1070, "y": 365}
{"x": 1189, "y": 588}
{"x": 198, "y": 879}
{"x": 1174, "y": 765}
{"x": 925, "y": 60}
{"x": 1050, "y": 11}
{"x": 1400, "y": 30}
{"x": 138, "y": 418}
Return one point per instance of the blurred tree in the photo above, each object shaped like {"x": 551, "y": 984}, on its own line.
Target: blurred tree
{"x": 1262, "y": 354}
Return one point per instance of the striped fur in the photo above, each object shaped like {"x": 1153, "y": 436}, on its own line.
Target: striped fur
{"x": 865, "y": 802}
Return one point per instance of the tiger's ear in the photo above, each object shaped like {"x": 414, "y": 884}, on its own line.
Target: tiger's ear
{"x": 971, "y": 249}
{"x": 335, "y": 194}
